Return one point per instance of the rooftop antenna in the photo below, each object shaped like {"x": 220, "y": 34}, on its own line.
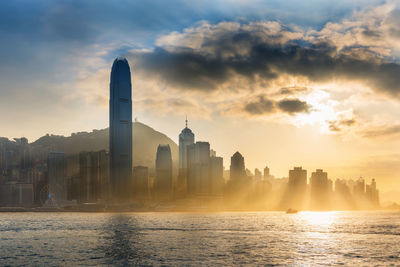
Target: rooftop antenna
{"x": 186, "y": 121}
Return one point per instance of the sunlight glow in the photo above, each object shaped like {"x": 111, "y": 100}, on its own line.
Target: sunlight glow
{"x": 318, "y": 218}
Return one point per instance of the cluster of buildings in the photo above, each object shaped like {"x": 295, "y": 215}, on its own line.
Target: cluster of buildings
{"x": 319, "y": 193}
{"x": 29, "y": 178}
{"x": 22, "y": 175}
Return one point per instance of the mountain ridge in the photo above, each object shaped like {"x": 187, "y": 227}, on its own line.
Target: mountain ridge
{"x": 144, "y": 143}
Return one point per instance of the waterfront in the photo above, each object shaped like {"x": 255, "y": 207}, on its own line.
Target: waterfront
{"x": 246, "y": 238}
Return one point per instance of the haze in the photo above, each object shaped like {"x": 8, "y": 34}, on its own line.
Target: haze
{"x": 321, "y": 91}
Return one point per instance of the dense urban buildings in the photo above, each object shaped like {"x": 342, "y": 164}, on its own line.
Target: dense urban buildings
{"x": 199, "y": 182}
{"x": 121, "y": 130}
{"x": 57, "y": 173}
{"x": 94, "y": 177}
{"x": 35, "y": 178}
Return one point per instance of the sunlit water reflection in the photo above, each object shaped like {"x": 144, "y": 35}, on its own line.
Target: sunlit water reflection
{"x": 276, "y": 238}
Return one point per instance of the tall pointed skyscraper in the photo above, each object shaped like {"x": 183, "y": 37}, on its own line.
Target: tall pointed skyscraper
{"x": 121, "y": 131}
{"x": 186, "y": 138}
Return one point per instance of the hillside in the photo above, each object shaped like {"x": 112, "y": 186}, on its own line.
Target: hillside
{"x": 145, "y": 142}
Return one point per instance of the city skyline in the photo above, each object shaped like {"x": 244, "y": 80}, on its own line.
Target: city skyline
{"x": 199, "y": 133}
{"x": 341, "y": 117}
{"x": 108, "y": 178}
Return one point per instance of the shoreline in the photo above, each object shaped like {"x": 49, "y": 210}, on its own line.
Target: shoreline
{"x": 162, "y": 210}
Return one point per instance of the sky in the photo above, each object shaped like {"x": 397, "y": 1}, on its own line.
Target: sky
{"x": 287, "y": 83}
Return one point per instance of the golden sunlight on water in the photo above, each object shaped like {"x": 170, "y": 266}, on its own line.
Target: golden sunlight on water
{"x": 199, "y": 239}
{"x": 318, "y": 218}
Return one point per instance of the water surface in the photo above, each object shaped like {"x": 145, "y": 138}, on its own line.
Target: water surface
{"x": 246, "y": 238}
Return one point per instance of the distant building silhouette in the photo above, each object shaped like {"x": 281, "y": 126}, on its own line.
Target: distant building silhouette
{"x": 163, "y": 179}
{"x": 320, "y": 190}
{"x": 186, "y": 138}
{"x": 216, "y": 175}
{"x": 257, "y": 175}
{"x": 239, "y": 185}
{"x": 121, "y": 130}
{"x": 298, "y": 178}
{"x": 372, "y": 193}
{"x": 296, "y": 189}
{"x": 237, "y": 168}
{"x": 94, "y": 176}
{"x": 359, "y": 188}
{"x": 198, "y": 181}
{"x": 341, "y": 187}
{"x": 57, "y": 173}
{"x": 16, "y": 194}
{"x": 267, "y": 174}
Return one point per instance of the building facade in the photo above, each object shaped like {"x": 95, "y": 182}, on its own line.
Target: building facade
{"x": 94, "y": 177}
{"x": 186, "y": 138}
{"x": 237, "y": 168}
{"x": 120, "y": 130}
{"x": 320, "y": 190}
{"x": 216, "y": 175}
{"x": 198, "y": 174}
{"x": 57, "y": 175}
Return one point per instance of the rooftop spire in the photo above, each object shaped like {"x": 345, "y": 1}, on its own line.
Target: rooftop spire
{"x": 186, "y": 121}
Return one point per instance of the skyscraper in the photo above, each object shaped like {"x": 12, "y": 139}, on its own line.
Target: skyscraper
{"x": 320, "y": 193}
{"x": 186, "y": 138}
{"x": 298, "y": 178}
{"x": 297, "y": 187}
{"x": 120, "y": 130}
{"x": 216, "y": 175}
{"x": 199, "y": 168}
{"x": 266, "y": 173}
{"x": 372, "y": 193}
{"x": 239, "y": 185}
{"x": 163, "y": 181}
{"x": 237, "y": 169}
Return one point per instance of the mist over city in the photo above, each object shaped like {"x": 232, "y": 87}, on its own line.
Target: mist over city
{"x": 137, "y": 128}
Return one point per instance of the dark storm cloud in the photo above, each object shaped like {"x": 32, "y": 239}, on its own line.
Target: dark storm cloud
{"x": 249, "y": 52}
{"x": 264, "y": 106}
{"x": 260, "y": 106}
{"x": 292, "y": 106}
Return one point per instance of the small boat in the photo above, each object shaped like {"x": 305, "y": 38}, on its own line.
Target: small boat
{"x": 291, "y": 211}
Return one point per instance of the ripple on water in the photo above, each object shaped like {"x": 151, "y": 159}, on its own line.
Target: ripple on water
{"x": 339, "y": 238}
